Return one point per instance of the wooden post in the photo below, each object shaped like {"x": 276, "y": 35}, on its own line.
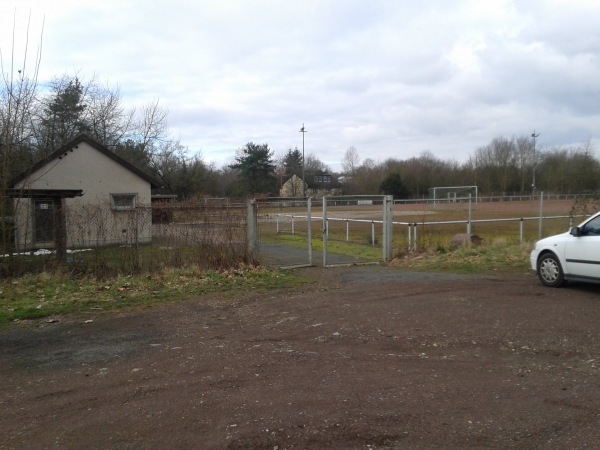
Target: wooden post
{"x": 60, "y": 221}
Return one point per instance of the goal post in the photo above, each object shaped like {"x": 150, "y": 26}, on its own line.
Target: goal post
{"x": 452, "y": 194}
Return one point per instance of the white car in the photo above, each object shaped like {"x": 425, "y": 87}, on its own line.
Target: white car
{"x": 574, "y": 255}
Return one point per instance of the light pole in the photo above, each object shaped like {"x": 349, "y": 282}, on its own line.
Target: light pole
{"x": 534, "y": 136}
{"x": 302, "y": 130}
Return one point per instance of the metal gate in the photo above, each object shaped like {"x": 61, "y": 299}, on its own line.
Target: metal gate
{"x": 326, "y": 232}
{"x": 284, "y": 231}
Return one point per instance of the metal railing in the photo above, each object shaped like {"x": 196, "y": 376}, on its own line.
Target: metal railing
{"x": 413, "y": 226}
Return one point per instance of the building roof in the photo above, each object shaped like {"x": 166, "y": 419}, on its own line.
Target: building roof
{"x": 73, "y": 144}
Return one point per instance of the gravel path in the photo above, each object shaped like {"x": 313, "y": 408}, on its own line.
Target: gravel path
{"x": 360, "y": 358}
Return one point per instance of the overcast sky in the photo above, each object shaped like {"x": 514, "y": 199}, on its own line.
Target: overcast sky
{"x": 391, "y": 78}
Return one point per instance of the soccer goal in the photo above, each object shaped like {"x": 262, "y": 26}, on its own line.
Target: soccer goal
{"x": 452, "y": 194}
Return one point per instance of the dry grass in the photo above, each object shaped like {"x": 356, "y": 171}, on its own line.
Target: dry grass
{"x": 498, "y": 257}
{"x": 48, "y": 294}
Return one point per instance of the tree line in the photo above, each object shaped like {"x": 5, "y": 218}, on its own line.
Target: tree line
{"x": 36, "y": 120}
{"x": 505, "y": 166}
{"x": 32, "y": 125}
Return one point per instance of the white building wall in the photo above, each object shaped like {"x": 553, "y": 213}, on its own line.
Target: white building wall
{"x": 91, "y": 220}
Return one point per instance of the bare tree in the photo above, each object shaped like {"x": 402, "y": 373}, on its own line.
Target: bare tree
{"x": 108, "y": 121}
{"x": 524, "y": 157}
{"x": 152, "y": 126}
{"x": 312, "y": 165}
{"x": 499, "y": 158}
{"x": 17, "y": 96}
{"x": 351, "y": 161}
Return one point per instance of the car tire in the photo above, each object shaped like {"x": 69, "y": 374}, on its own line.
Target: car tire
{"x": 550, "y": 271}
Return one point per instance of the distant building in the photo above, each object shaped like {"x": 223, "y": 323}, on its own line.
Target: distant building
{"x": 323, "y": 183}
{"x": 292, "y": 187}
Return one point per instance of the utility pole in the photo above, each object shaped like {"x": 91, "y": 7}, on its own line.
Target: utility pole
{"x": 534, "y": 136}
{"x": 302, "y": 130}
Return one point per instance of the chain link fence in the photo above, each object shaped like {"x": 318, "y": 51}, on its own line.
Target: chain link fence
{"x": 102, "y": 241}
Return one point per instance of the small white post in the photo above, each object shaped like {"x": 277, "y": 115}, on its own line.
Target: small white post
{"x": 309, "y": 228}
{"x": 521, "y": 230}
{"x": 469, "y": 221}
{"x": 388, "y": 226}
{"x": 373, "y": 233}
{"x": 415, "y": 238}
{"x": 325, "y": 231}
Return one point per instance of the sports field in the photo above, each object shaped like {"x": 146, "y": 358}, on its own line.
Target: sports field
{"x": 416, "y": 226}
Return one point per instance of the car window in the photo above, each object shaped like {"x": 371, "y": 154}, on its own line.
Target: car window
{"x": 592, "y": 228}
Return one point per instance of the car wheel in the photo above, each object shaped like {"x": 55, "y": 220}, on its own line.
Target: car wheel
{"x": 549, "y": 270}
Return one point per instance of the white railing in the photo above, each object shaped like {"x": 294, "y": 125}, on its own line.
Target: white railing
{"x": 413, "y": 226}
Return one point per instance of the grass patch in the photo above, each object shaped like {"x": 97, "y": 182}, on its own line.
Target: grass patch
{"x": 43, "y": 295}
{"x": 502, "y": 257}
{"x": 496, "y": 254}
{"x": 365, "y": 252}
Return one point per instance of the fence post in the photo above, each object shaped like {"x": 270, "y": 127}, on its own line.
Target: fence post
{"x": 325, "y": 231}
{"x": 409, "y": 236}
{"x": 469, "y": 221}
{"x": 277, "y": 222}
{"x": 251, "y": 228}
{"x": 372, "y": 233}
{"x": 541, "y": 214}
{"x": 309, "y": 228}
{"x": 347, "y": 230}
{"x": 521, "y": 230}
{"x": 415, "y": 237}
{"x": 293, "y": 225}
{"x": 388, "y": 226}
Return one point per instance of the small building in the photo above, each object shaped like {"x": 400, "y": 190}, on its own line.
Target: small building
{"x": 292, "y": 187}
{"x": 108, "y": 201}
{"x": 323, "y": 183}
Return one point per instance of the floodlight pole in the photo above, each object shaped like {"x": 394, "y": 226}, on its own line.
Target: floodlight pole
{"x": 534, "y": 136}
{"x": 302, "y": 130}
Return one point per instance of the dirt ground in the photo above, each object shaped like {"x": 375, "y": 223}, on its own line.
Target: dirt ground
{"x": 361, "y": 358}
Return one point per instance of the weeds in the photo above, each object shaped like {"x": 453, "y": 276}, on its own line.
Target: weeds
{"x": 43, "y": 295}
{"x": 492, "y": 257}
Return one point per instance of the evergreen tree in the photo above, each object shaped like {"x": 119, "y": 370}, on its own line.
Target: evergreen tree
{"x": 293, "y": 162}
{"x": 256, "y": 171}
{"x": 392, "y": 185}
{"x": 63, "y": 116}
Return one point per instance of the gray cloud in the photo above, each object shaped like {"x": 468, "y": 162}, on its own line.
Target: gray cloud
{"x": 393, "y": 79}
